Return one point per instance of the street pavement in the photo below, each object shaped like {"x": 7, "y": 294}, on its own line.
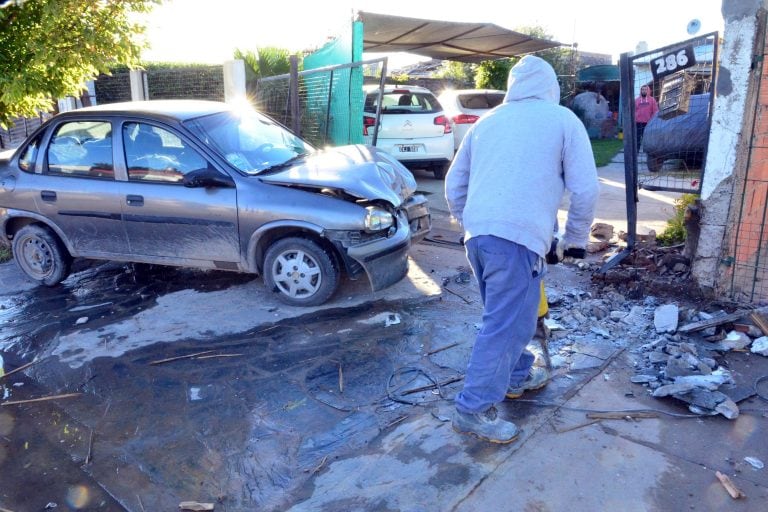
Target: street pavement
{"x": 564, "y": 460}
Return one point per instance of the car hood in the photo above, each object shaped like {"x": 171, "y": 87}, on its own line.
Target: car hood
{"x": 361, "y": 171}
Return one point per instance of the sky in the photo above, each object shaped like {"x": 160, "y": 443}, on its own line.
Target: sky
{"x": 208, "y": 31}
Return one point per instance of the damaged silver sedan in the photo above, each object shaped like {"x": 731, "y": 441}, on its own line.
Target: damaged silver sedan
{"x": 202, "y": 184}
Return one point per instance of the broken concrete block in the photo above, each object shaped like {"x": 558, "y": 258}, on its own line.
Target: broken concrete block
{"x": 593, "y": 247}
{"x": 635, "y": 316}
{"x": 643, "y": 379}
{"x": 665, "y": 318}
{"x": 760, "y": 346}
{"x": 711, "y": 382}
{"x": 728, "y": 408}
{"x": 601, "y": 231}
{"x": 674, "y": 389}
{"x": 680, "y": 366}
{"x": 735, "y": 340}
{"x": 617, "y": 315}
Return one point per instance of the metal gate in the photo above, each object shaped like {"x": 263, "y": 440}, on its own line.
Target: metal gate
{"x": 668, "y": 153}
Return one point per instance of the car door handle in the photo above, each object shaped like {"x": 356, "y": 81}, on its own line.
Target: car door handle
{"x": 48, "y": 195}
{"x": 134, "y": 200}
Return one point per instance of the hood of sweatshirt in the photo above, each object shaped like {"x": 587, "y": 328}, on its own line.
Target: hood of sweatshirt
{"x": 532, "y": 78}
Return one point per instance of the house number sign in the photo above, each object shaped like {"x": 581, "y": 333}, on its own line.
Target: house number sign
{"x": 673, "y": 62}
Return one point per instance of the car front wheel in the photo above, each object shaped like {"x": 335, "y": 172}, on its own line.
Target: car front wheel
{"x": 40, "y": 255}
{"x": 300, "y": 271}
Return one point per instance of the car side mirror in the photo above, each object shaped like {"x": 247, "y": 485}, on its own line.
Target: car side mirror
{"x": 207, "y": 178}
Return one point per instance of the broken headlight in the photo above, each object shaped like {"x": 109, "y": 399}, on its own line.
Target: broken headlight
{"x": 377, "y": 219}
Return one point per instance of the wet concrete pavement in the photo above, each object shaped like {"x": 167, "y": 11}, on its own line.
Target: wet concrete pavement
{"x": 331, "y": 408}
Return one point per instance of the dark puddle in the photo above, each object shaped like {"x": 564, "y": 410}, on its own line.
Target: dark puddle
{"x": 244, "y": 431}
{"x": 105, "y": 293}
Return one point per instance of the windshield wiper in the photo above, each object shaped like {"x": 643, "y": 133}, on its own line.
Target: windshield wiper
{"x": 288, "y": 163}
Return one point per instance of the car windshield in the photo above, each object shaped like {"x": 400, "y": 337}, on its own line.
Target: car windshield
{"x": 481, "y": 100}
{"x": 403, "y": 102}
{"x": 251, "y": 142}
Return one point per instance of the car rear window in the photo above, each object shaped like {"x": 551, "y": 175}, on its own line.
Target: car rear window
{"x": 403, "y": 102}
{"x": 481, "y": 100}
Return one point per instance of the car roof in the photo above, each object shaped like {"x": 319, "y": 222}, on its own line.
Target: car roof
{"x": 175, "y": 109}
{"x": 390, "y": 88}
{"x": 459, "y": 92}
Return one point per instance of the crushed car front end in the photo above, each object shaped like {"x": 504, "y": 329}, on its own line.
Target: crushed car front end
{"x": 378, "y": 188}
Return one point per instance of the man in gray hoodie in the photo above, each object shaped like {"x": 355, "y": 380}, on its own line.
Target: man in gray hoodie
{"x": 504, "y": 186}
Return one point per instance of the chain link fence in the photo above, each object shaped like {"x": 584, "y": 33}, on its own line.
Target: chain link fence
{"x": 322, "y": 105}
{"x": 671, "y": 146}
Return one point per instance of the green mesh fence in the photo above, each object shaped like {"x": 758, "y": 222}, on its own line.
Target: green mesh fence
{"x": 330, "y": 92}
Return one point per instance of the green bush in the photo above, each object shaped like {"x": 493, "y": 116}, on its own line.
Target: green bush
{"x": 5, "y": 253}
{"x": 675, "y": 231}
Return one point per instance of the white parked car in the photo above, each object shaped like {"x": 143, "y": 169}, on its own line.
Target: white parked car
{"x": 412, "y": 127}
{"x": 465, "y": 106}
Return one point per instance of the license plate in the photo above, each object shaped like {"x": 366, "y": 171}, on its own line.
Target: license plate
{"x": 413, "y": 148}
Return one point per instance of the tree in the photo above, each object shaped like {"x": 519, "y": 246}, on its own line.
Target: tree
{"x": 267, "y": 61}
{"x": 50, "y": 48}
{"x": 461, "y": 72}
{"x": 562, "y": 59}
{"x": 492, "y": 74}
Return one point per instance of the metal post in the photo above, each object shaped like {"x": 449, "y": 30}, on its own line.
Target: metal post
{"x": 328, "y": 109}
{"x": 294, "y": 96}
{"x": 382, "y": 81}
{"x": 630, "y": 159}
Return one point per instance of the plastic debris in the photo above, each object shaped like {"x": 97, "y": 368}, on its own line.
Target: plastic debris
{"x": 754, "y": 462}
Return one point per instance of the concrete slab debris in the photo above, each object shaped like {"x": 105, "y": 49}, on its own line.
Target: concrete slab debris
{"x": 665, "y": 318}
{"x": 760, "y": 346}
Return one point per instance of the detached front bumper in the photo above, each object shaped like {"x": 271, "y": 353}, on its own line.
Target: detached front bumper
{"x": 385, "y": 261}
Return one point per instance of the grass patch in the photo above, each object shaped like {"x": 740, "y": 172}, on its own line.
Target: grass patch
{"x": 605, "y": 149}
{"x": 5, "y": 253}
{"x": 675, "y": 232}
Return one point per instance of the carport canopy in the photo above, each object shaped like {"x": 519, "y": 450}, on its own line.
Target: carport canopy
{"x": 446, "y": 40}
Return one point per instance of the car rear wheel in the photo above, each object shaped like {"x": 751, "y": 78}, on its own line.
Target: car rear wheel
{"x": 439, "y": 170}
{"x": 300, "y": 271}
{"x": 39, "y": 253}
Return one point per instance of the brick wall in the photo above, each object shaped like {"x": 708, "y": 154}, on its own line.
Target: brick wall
{"x": 745, "y": 277}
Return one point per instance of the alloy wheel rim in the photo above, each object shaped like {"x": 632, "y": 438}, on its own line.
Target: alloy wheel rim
{"x": 297, "y": 274}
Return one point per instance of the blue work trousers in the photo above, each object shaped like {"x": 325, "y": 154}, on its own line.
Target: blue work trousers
{"x": 509, "y": 276}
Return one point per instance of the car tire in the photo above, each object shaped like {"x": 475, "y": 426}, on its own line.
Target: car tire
{"x": 300, "y": 271}
{"x": 654, "y": 163}
{"x": 40, "y": 255}
{"x": 439, "y": 170}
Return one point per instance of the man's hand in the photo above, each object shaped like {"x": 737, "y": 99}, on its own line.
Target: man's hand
{"x": 578, "y": 253}
{"x": 560, "y": 250}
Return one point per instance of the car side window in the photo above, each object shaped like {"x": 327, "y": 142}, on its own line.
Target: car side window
{"x": 29, "y": 155}
{"x": 155, "y": 155}
{"x": 81, "y": 149}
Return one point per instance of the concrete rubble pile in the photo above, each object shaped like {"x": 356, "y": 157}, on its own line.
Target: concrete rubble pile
{"x": 587, "y": 331}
